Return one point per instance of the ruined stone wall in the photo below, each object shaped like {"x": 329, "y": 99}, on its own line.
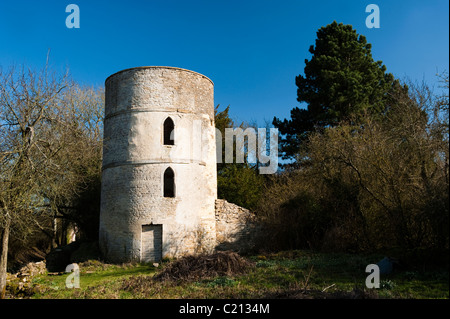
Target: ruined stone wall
{"x": 236, "y": 227}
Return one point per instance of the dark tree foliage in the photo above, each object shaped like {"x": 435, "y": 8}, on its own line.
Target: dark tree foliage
{"x": 238, "y": 183}
{"x": 340, "y": 80}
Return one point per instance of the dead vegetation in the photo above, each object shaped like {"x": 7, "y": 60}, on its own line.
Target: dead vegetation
{"x": 191, "y": 268}
{"x": 188, "y": 269}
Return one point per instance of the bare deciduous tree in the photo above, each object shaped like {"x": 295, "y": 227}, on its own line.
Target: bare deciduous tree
{"x": 27, "y": 98}
{"x": 50, "y": 150}
{"x": 400, "y": 164}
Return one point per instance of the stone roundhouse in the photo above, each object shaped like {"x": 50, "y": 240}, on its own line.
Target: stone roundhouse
{"x": 159, "y": 183}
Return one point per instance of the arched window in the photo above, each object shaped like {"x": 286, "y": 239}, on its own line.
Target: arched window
{"x": 169, "y": 132}
{"x": 169, "y": 183}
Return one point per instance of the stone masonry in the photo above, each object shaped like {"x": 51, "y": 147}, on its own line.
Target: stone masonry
{"x": 158, "y": 199}
{"x": 236, "y": 227}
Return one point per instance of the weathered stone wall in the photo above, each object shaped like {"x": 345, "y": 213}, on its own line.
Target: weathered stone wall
{"x": 138, "y": 101}
{"x": 236, "y": 227}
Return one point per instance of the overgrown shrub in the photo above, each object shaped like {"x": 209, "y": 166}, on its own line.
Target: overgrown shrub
{"x": 383, "y": 183}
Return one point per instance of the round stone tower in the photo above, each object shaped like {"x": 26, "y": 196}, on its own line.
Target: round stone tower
{"x": 159, "y": 181}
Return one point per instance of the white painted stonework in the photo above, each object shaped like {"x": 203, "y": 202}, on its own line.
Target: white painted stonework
{"x": 138, "y": 101}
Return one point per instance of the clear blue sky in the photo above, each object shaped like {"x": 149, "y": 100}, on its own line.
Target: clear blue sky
{"x": 252, "y": 50}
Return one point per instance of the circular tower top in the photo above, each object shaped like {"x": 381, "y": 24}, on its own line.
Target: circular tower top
{"x": 158, "y": 67}
{"x": 159, "y": 88}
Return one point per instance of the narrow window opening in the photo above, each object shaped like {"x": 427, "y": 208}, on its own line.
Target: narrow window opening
{"x": 169, "y": 183}
{"x": 169, "y": 132}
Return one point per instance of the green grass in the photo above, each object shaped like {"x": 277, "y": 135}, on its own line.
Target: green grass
{"x": 291, "y": 274}
{"x": 97, "y": 280}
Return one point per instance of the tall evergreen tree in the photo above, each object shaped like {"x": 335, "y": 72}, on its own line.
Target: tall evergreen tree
{"x": 341, "y": 79}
